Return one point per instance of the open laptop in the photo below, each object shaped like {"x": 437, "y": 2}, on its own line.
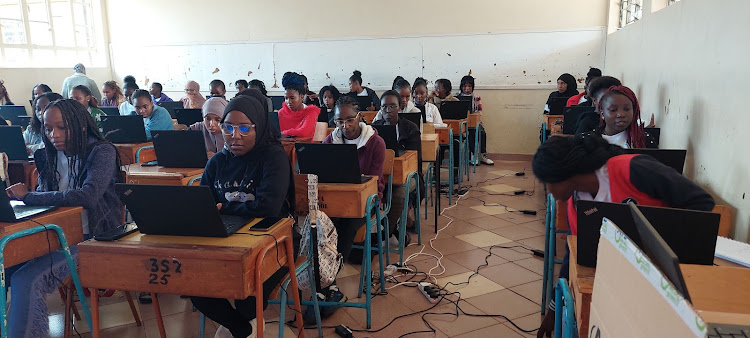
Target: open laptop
{"x": 388, "y": 134}
{"x": 12, "y": 113}
{"x": 183, "y": 210}
{"x": 188, "y": 116}
{"x": 415, "y": 118}
{"x": 110, "y": 110}
{"x": 273, "y": 121}
{"x": 333, "y": 163}
{"x": 363, "y": 102}
{"x": 277, "y": 102}
{"x": 455, "y": 110}
{"x": 16, "y": 211}
{"x": 124, "y": 129}
{"x": 652, "y": 137}
{"x": 12, "y": 144}
{"x": 691, "y": 234}
{"x": 423, "y": 111}
{"x": 673, "y": 158}
{"x": 171, "y": 106}
{"x": 557, "y": 105}
{"x": 658, "y": 251}
{"x": 571, "y": 117}
{"x": 180, "y": 148}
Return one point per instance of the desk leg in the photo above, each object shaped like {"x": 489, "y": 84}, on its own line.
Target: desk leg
{"x": 437, "y": 189}
{"x": 157, "y": 313}
{"x": 94, "y": 313}
{"x": 293, "y": 279}
{"x": 259, "y": 302}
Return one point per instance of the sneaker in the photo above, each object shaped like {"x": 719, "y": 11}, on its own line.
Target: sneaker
{"x": 486, "y": 160}
{"x": 473, "y": 160}
{"x": 308, "y": 317}
{"x": 332, "y": 294}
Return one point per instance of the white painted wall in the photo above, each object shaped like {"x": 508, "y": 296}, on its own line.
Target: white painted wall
{"x": 688, "y": 64}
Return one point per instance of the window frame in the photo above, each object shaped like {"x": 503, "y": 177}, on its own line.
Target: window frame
{"x": 628, "y": 16}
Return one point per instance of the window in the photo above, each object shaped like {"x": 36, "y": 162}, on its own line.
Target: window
{"x": 630, "y": 11}
{"x": 672, "y": 2}
{"x": 50, "y": 33}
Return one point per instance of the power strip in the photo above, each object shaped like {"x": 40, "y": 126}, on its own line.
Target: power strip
{"x": 429, "y": 291}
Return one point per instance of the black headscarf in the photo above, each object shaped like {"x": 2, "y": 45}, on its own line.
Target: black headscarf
{"x": 561, "y": 158}
{"x": 571, "y": 91}
{"x": 255, "y": 111}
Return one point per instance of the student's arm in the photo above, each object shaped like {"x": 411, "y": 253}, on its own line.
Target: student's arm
{"x": 271, "y": 192}
{"x": 306, "y": 128}
{"x": 101, "y": 167}
{"x": 659, "y": 181}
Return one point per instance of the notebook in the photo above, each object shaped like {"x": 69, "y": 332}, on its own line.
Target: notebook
{"x": 733, "y": 251}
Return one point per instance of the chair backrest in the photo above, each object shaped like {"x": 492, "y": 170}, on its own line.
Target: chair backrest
{"x": 725, "y": 222}
{"x": 388, "y": 163}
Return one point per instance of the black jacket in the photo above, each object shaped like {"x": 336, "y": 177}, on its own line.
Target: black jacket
{"x": 373, "y": 97}
{"x": 409, "y": 138}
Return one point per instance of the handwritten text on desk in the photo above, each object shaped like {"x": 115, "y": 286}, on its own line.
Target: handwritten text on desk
{"x": 161, "y": 270}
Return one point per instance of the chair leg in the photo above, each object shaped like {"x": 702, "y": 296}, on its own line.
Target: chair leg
{"x": 68, "y": 303}
{"x": 203, "y": 325}
{"x": 137, "y": 318}
{"x": 157, "y": 312}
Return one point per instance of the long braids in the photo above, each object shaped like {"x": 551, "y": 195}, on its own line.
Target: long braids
{"x": 636, "y": 134}
{"x": 119, "y": 96}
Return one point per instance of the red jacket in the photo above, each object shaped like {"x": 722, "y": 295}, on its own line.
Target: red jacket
{"x": 573, "y": 100}
{"x": 301, "y": 123}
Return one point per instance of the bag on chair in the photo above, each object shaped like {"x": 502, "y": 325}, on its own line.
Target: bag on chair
{"x": 329, "y": 259}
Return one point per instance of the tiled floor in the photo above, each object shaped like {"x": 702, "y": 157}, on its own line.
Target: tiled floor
{"x": 509, "y": 287}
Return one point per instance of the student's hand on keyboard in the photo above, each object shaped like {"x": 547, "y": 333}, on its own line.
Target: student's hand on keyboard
{"x": 17, "y": 191}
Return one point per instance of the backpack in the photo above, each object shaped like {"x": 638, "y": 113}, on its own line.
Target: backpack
{"x": 329, "y": 259}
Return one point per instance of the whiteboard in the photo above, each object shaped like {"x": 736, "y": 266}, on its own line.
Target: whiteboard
{"x": 511, "y": 59}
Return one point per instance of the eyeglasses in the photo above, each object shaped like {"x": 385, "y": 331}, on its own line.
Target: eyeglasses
{"x": 387, "y": 107}
{"x": 351, "y": 120}
{"x": 243, "y": 129}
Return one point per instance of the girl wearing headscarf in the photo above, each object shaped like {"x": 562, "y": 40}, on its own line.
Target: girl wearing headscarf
{"x": 252, "y": 177}
{"x": 193, "y": 98}
{"x": 213, "y": 112}
{"x": 566, "y": 87}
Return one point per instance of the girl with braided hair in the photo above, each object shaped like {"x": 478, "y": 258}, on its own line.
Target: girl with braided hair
{"x": 587, "y": 167}
{"x": 296, "y": 118}
{"x": 77, "y": 167}
{"x": 620, "y": 122}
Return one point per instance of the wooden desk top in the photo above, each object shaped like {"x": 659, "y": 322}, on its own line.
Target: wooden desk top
{"x": 196, "y": 266}
{"x": 29, "y": 247}
{"x": 137, "y": 169}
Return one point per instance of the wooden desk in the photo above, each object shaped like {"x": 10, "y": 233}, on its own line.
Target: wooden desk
{"x": 430, "y": 148}
{"x": 553, "y": 120}
{"x": 582, "y": 284}
{"x": 455, "y": 125}
{"x": 335, "y": 199}
{"x": 403, "y": 166}
{"x": 30, "y": 247}
{"x": 232, "y": 267}
{"x": 474, "y": 119}
{"x": 127, "y": 152}
{"x": 138, "y": 174}
{"x": 22, "y": 172}
{"x": 443, "y": 134}
{"x": 368, "y": 115}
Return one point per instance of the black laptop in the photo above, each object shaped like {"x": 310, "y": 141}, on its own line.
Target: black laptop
{"x": 415, "y": 118}
{"x": 673, "y": 158}
{"x": 171, "y": 106}
{"x": 180, "y": 148}
{"x": 423, "y": 111}
{"x": 110, "y": 110}
{"x": 333, "y": 163}
{"x": 12, "y": 113}
{"x": 277, "y": 101}
{"x": 124, "y": 129}
{"x": 691, "y": 234}
{"x": 16, "y": 211}
{"x": 658, "y": 251}
{"x": 571, "y": 117}
{"x": 557, "y": 105}
{"x": 363, "y": 102}
{"x": 188, "y": 116}
{"x": 652, "y": 137}
{"x": 273, "y": 121}
{"x": 455, "y": 110}
{"x": 388, "y": 134}
{"x": 183, "y": 211}
{"x": 12, "y": 144}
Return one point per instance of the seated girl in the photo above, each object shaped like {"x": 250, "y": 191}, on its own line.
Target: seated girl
{"x": 38, "y": 90}
{"x": 32, "y": 136}
{"x": 259, "y": 85}
{"x": 296, "y": 119}
{"x": 77, "y": 167}
{"x": 83, "y": 95}
{"x": 441, "y": 93}
{"x": 620, "y": 118}
{"x": 420, "y": 93}
{"x": 127, "y": 107}
{"x": 251, "y": 176}
{"x": 328, "y": 96}
{"x": 590, "y": 121}
{"x": 467, "y": 90}
{"x": 112, "y": 95}
{"x": 356, "y": 89}
{"x": 4, "y": 97}
{"x": 213, "y": 112}
{"x": 566, "y": 88}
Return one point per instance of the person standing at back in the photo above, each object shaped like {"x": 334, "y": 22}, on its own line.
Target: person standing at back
{"x": 79, "y": 78}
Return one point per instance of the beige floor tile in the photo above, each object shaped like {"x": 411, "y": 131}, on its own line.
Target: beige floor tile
{"x": 500, "y": 188}
{"x": 509, "y": 275}
{"x": 519, "y": 218}
{"x": 516, "y": 232}
{"x": 463, "y": 213}
{"x": 451, "y": 245}
{"x": 498, "y": 330}
{"x": 534, "y": 264}
{"x": 454, "y": 325}
{"x": 529, "y": 323}
{"x": 506, "y": 303}
{"x": 349, "y": 270}
{"x": 477, "y": 286}
{"x": 168, "y": 304}
{"x": 110, "y": 315}
{"x": 449, "y": 267}
{"x": 491, "y": 209}
{"x": 185, "y": 324}
{"x": 384, "y": 309}
{"x": 483, "y": 239}
{"x": 489, "y": 222}
{"x": 512, "y": 254}
{"x": 472, "y": 259}
{"x": 457, "y": 228}
{"x": 531, "y": 291}
{"x": 534, "y": 242}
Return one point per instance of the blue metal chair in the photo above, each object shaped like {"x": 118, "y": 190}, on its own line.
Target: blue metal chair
{"x": 477, "y": 147}
{"x": 71, "y": 266}
{"x": 138, "y": 153}
{"x": 402, "y": 222}
{"x": 450, "y": 168}
{"x": 193, "y": 180}
{"x": 544, "y": 132}
{"x": 550, "y": 248}
{"x": 565, "y": 316}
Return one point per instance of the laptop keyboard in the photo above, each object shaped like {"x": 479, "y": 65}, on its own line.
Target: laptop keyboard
{"x": 23, "y": 211}
{"x": 234, "y": 223}
{"x": 728, "y": 331}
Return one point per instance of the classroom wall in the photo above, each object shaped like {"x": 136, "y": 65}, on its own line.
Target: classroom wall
{"x": 516, "y": 33}
{"x": 688, "y": 65}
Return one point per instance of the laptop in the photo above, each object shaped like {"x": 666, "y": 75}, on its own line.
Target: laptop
{"x": 388, "y": 134}
{"x": 469, "y": 98}
{"x": 691, "y": 234}
{"x": 423, "y": 110}
{"x": 12, "y": 113}
{"x": 171, "y": 106}
{"x": 363, "y": 102}
{"x": 673, "y": 158}
{"x": 16, "y": 211}
{"x": 571, "y": 116}
{"x": 455, "y": 110}
{"x": 188, "y": 116}
{"x": 124, "y": 129}
{"x": 652, "y": 137}
{"x": 110, "y": 110}
{"x": 415, "y": 118}
{"x": 333, "y": 163}
{"x": 654, "y": 246}
{"x": 12, "y": 144}
{"x": 183, "y": 210}
{"x": 273, "y": 122}
{"x": 180, "y": 148}
{"x": 557, "y": 105}
{"x": 277, "y": 102}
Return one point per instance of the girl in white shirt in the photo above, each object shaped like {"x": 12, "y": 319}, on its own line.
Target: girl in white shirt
{"x": 420, "y": 94}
